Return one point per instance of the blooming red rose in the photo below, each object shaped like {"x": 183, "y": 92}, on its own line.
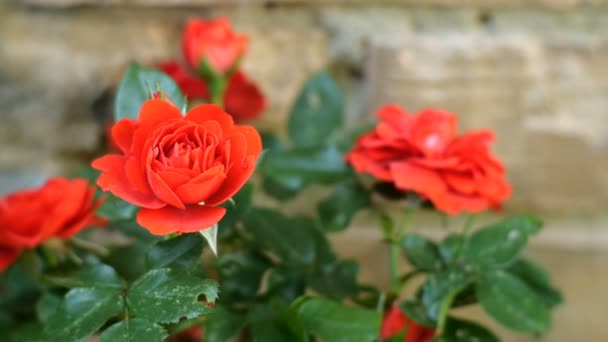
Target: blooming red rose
{"x": 60, "y": 208}
{"x": 243, "y": 99}
{"x": 395, "y": 321}
{"x": 212, "y": 41}
{"x": 424, "y": 154}
{"x": 179, "y": 169}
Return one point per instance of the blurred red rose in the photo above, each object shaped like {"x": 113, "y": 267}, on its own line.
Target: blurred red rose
{"x": 179, "y": 169}
{"x": 191, "y": 86}
{"x": 212, "y": 41}
{"x": 243, "y": 99}
{"x": 422, "y": 153}
{"x": 60, "y": 208}
{"x": 395, "y": 321}
{"x": 194, "y": 334}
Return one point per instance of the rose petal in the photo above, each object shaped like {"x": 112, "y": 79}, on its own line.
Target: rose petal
{"x": 254, "y": 141}
{"x": 169, "y": 220}
{"x": 209, "y": 112}
{"x": 113, "y": 179}
{"x": 122, "y": 134}
{"x": 408, "y": 176}
{"x": 201, "y": 187}
{"x": 163, "y": 191}
{"x": 240, "y": 168}
{"x": 158, "y": 110}
{"x": 239, "y": 175}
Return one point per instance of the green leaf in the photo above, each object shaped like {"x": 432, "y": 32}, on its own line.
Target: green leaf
{"x": 115, "y": 209}
{"x": 458, "y": 330}
{"x": 222, "y": 325}
{"x": 182, "y": 252}
{"x": 332, "y": 321}
{"x": 82, "y": 312}
{"x": 537, "y": 278}
{"x": 324, "y": 165}
{"x": 273, "y": 321}
{"x": 441, "y": 286}
{"x": 130, "y": 260}
{"x": 451, "y": 247}
{"x": 240, "y": 273}
{"x": 282, "y": 188}
{"x": 337, "y": 210}
{"x": 264, "y": 331}
{"x": 236, "y": 209}
{"x": 89, "y": 275}
{"x": 529, "y": 225}
{"x": 134, "y": 330}
{"x": 286, "y": 282}
{"x": 47, "y": 305}
{"x": 421, "y": 253}
{"x": 165, "y": 296}
{"x": 495, "y": 246}
{"x": 513, "y": 304}
{"x": 137, "y": 86}
{"x": 337, "y": 280}
{"x": 317, "y": 112}
{"x": 271, "y": 230}
{"x": 30, "y": 332}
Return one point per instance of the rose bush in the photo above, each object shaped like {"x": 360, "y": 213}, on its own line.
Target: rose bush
{"x": 180, "y": 174}
{"x": 179, "y": 169}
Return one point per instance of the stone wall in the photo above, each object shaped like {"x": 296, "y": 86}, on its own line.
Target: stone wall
{"x": 535, "y": 71}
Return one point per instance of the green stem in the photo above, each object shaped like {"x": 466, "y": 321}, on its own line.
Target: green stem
{"x": 397, "y": 236}
{"x": 217, "y": 87}
{"x": 443, "y": 312}
{"x": 90, "y": 246}
{"x": 469, "y": 224}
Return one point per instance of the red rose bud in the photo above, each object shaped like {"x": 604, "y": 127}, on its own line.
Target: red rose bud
{"x": 178, "y": 169}
{"x": 214, "y": 43}
{"x": 243, "y": 99}
{"x": 60, "y": 208}
{"x": 422, "y": 153}
{"x": 395, "y": 322}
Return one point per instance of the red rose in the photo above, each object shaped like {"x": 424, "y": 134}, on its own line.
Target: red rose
{"x": 423, "y": 153}
{"x": 179, "y": 169}
{"x": 192, "y": 87}
{"x": 60, "y": 208}
{"x": 243, "y": 99}
{"x": 212, "y": 41}
{"x": 395, "y": 321}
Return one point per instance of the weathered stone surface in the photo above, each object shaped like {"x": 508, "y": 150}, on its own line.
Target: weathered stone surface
{"x": 543, "y": 96}
{"x": 560, "y": 4}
